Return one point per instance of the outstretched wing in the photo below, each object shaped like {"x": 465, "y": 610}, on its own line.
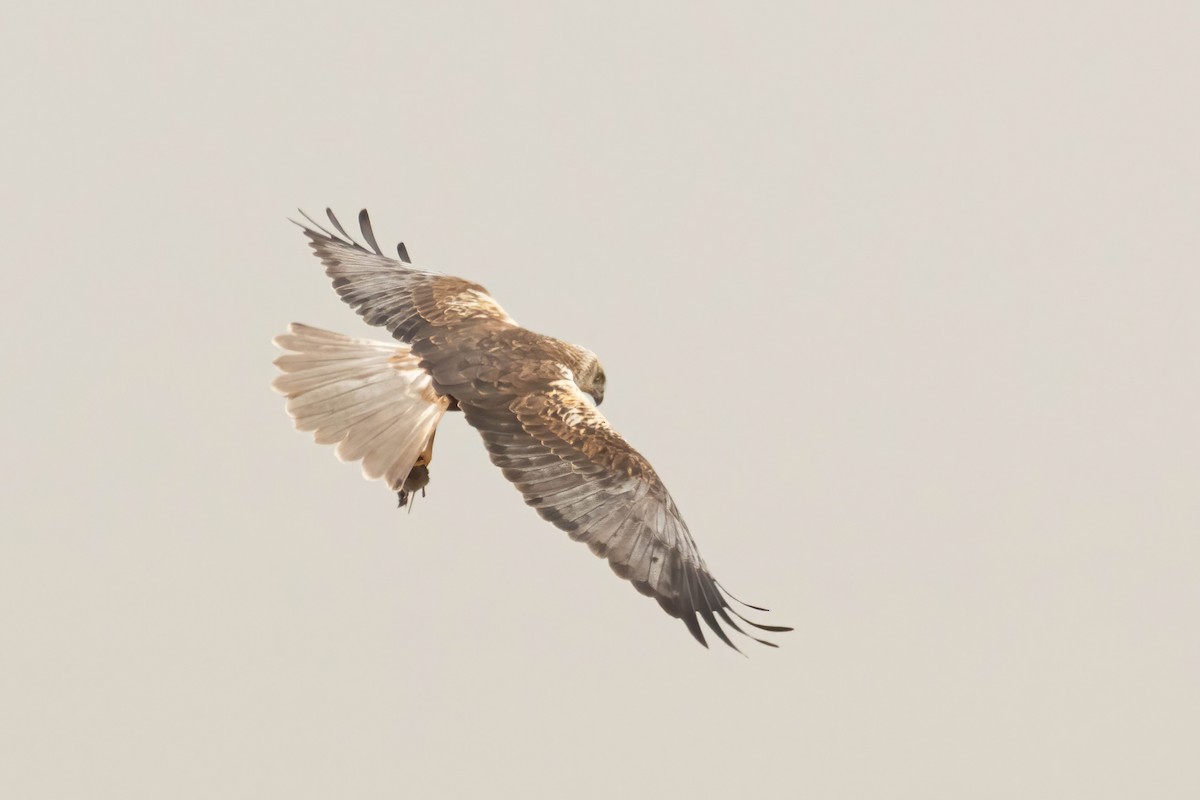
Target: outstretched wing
{"x": 579, "y": 474}
{"x": 412, "y": 303}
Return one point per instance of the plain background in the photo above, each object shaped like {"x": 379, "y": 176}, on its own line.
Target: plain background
{"x": 899, "y": 298}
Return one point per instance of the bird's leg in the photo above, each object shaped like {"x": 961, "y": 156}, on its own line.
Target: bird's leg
{"x": 418, "y": 477}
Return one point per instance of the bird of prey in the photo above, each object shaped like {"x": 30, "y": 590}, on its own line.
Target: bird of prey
{"x": 532, "y": 398}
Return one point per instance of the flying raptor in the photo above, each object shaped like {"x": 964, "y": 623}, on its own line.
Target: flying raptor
{"x": 533, "y": 399}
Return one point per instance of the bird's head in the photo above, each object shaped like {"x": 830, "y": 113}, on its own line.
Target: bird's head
{"x": 590, "y": 378}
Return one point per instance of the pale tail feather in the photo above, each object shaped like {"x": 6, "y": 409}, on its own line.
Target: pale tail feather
{"x": 372, "y": 399}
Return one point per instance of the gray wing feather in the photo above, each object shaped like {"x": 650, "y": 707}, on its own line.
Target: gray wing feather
{"x": 364, "y": 224}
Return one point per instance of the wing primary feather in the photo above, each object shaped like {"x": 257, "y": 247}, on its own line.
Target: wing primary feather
{"x": 315, "y": 224}
{"x": 689, "y": 618}
{"x": 771, "y": 628}
{"x": 402, "y": 251}
{"x": 705, "y": 608}
{"x": 733, "y": 597}
{"x": 341, "y": 230}
{"x": 688, "y": 613}
{"x": 721, "y": 613}
{"x": 364, "y": 222}
{"x": 719, "y": 605}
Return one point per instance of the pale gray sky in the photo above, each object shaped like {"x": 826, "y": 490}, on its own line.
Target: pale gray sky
{"x": 900, "y": 299}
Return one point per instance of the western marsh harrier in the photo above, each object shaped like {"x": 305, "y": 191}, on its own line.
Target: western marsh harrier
{"x": 533, "y": 399}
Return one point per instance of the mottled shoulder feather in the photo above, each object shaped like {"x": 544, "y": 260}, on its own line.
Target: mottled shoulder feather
{"x": 564, "y": 420}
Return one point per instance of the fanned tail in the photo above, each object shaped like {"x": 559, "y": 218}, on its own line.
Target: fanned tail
{"x": 372, "y": 399}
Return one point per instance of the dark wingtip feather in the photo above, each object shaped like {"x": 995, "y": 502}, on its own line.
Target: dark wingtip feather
{"x": 721, "y": 613}
{"x": 698, "y": 595}
{"x": 696, "y": 587}
{"x": 771, "y": 628}
{"x": 319, "y": 228}
{"x": 402, "y": 251}
{"x": 364, "y": 223}
{"x": 732, "y": 596}
{"x": 711, "y": 620}
{"x": 689, "y": 618}
{"x": 341, "y": 230}
{"x": 686, "y": 607}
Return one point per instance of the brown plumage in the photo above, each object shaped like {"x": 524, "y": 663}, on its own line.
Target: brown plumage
{"x": 531, "y": 397}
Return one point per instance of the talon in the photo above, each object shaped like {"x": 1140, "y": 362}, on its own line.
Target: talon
{"x": 403, "y": 495}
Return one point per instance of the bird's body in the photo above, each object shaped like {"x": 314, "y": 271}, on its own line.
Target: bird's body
{"x": 533, "y": 399}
